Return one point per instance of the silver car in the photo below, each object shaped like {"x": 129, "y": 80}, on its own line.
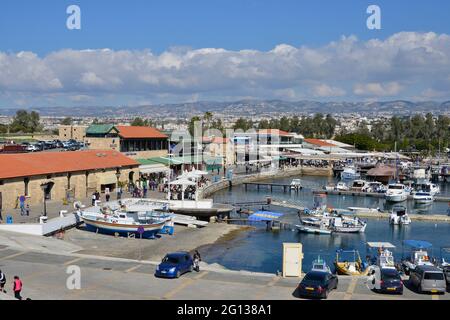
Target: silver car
{"x": 428, "y": 278}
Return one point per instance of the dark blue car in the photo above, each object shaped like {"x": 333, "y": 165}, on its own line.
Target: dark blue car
{"x": 174, "y": 265}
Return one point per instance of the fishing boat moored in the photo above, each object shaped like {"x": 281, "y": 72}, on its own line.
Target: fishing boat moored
{"x": 348, "y": 262}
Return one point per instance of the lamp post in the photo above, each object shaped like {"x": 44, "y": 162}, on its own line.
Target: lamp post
{"x": 44, "y": 187}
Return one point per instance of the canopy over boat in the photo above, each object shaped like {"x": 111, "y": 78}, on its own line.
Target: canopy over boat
{"x": 385, "y": 245}
{"x": 264, "y": 216}
{"x": 418, "y": 244}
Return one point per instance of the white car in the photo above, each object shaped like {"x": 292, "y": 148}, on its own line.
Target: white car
{"x": 32, "y": 148}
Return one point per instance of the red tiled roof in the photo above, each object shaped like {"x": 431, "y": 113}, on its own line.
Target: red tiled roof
{"x": 42, "y": 163}
{"x": 319, "y": 142}
{"x": 274, "y": 132}
{"x": 129, "y": 132}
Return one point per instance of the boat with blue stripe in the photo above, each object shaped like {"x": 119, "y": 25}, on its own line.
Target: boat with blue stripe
{"x": 129, "y": 218}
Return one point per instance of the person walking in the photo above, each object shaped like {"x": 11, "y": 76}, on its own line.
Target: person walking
{"x": 107, "y": 194}
{"x": 22, "y": 205}
{"x": 119, "y": 193}
{"x": 197, "y": 258}
{"x": 17, "y": 287}
{"x": 2, "y": 282}
{"x": 94, "y": 197}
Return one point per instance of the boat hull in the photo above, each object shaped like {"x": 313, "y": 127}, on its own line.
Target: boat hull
{"x": 312, "y": 230}
{"x": 396, "y": 197}
{"x": 342, "y": 270}
{"x": 150, "y": 231}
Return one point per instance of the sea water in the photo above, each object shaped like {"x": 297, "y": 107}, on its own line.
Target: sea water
{"x": 259, "y": 250}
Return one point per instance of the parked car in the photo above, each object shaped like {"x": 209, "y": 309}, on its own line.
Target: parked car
{"x": 317, "y": 284}
{"x": 174, "y": 265}
{"x": 386, "y": 280}
{"x": 32, "y": 148}
{"x": 427, "y": 278}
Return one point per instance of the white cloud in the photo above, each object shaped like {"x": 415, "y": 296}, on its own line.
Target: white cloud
{"x": 324, "y": 90}
{"x": 399, "y": 66}
{"x": 377, "y": 89}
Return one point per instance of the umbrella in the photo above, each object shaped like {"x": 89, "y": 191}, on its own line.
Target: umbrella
{"x": 183, "y": 182}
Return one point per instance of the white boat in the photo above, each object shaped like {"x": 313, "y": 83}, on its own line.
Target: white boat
{"x": 320, "y": 265}
{"x": 399, "y": 216}
{"x": 358, "y": 185}
{"x": 347, "y": 225}
{"x": 341, "y": 186}
{"x": 396, "y": 192}
{"x": 418, "y": 256}
{"x": 375, "y": 187}
{"x": 423, "y": 197}
{"x": 349, "y": 173}
{"x": 313, "y": 230}
{"x": 129, "y": 217}
{"x": 432, "y": 188}
{"x": 296, "y": 184}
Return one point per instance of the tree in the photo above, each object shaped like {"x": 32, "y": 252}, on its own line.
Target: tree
{"x": 26, "y": 122}
{"x": 67, "y": 121}
{"x": 243, "y": 124}
{"x": 138, "y": 122}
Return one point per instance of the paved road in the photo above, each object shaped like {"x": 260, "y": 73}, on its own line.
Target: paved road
{"x": 44, "y": 277}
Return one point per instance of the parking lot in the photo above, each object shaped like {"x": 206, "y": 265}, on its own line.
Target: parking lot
{"x": 45, "y": 275}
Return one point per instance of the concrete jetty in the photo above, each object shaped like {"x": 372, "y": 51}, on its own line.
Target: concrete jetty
{"x": 371, "y": 194}
{"x": 371, "y": 214}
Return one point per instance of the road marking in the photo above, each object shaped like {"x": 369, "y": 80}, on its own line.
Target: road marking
{"x": 133, "y": 268}
{"x": 434, "y": 297}
{"x": 68, "y": 263}
{"x": 174, "y": 291}
{"x": 13, "y": 255}
{"x": 351, "y": 288}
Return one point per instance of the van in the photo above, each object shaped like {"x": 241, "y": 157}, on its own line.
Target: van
{"x": 428, "y": 278}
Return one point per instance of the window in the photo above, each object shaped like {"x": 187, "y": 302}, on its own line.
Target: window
{"x": 434, "y": 276}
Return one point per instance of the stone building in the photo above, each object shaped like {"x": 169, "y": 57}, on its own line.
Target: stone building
{"x": 59, "y": 175}
{"x": 76, "y": 132}
{"x": 135, "y": 142}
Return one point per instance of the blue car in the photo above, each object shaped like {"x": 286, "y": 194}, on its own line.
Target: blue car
{"x": 174, "y": 265}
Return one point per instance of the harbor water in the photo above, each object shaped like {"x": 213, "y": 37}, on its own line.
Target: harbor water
{"x": 266, "y": 246}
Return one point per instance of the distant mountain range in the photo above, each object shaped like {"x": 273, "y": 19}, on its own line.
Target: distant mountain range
{"x": 245, "y": 108}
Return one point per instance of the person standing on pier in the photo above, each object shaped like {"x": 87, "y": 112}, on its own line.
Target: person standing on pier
{"x": 2, "y": 282}
{"x": 17, "y": 287}
{"x": 197, "y": 258}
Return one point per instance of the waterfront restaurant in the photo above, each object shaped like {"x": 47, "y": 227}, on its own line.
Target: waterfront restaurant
{"x": 62, "y": 175}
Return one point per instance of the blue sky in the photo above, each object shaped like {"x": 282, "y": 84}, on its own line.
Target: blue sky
{"x": 165, "y": 27}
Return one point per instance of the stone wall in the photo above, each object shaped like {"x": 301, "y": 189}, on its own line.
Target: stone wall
{"x": 13, "y": 188}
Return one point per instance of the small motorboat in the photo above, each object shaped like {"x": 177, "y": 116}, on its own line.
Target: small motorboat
{"x": 396, "y": 192}
{"x": 399, "y": 216}
{"x": 342, "y": 224}
{"x": 358, "y": 185}
{"x": 348, "y": 262}
{"x": 313, "y": 230}
{"x": 350, "y": 173}
{"x": 320, "y": 265}
{"x": 341, "y": 186}
{"x": 418, "y": 255}
{"x": 423, "y": 197}
{"x": 296, "y": 184}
